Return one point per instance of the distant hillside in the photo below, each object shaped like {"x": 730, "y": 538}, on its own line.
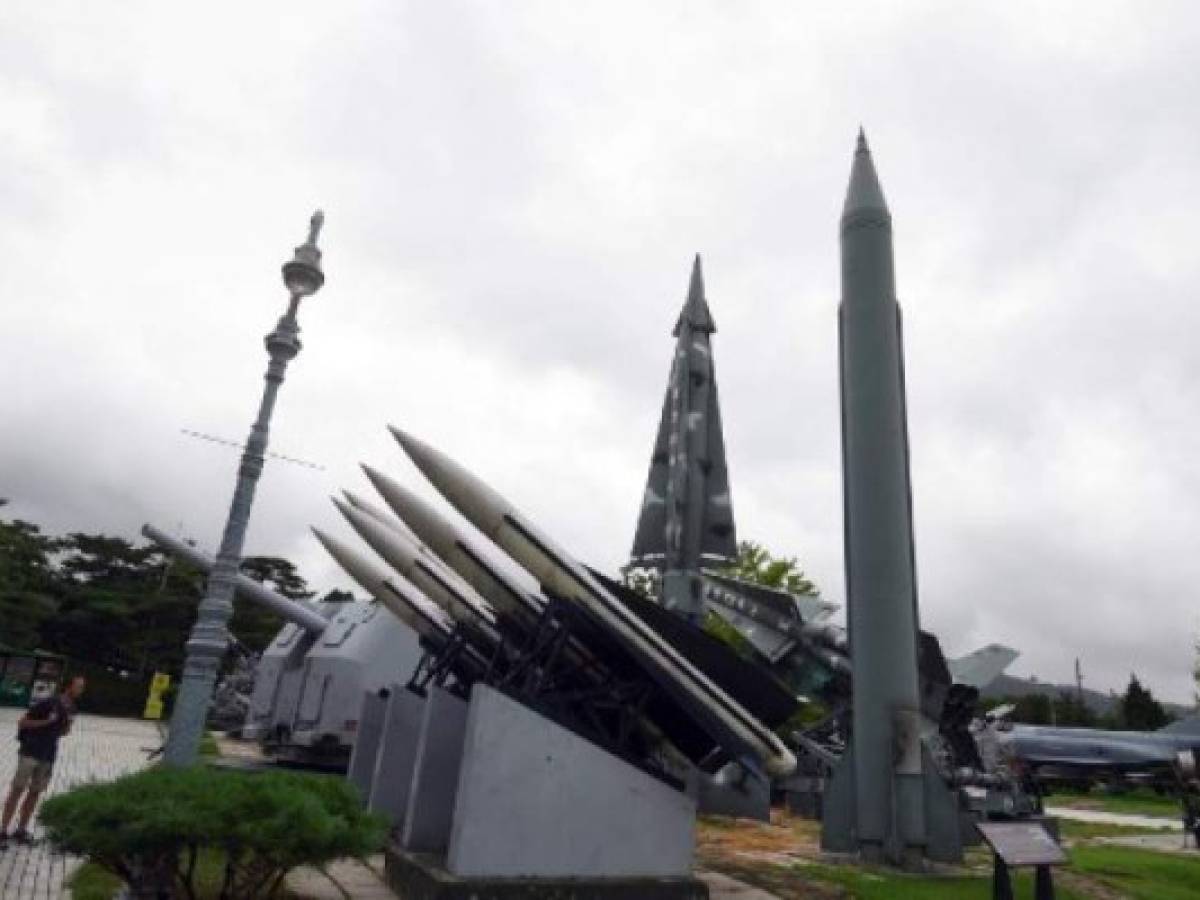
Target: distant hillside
{"x": 1099, "y": 703}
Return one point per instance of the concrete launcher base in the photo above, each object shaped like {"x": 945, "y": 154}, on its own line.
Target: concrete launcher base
{"x": 421, "y": 876}
{"x": 505, "y": 803}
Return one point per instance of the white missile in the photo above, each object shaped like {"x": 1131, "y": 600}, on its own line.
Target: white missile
{"x": 418, "y": 564}
{"x": 378, "y": 512}
{"x": 396, "y": 594}
{"x": 555, "y": 569}
{"x": 457, "y": 550}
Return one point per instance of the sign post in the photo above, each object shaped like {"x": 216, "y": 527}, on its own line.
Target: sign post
{"x": 1017, "y": 845}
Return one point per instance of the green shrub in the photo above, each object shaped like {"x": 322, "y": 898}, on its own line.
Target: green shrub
{"x": 149, "y": 828}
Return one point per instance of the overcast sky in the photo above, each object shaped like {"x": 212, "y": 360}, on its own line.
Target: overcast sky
{"x": 513, "y": 194}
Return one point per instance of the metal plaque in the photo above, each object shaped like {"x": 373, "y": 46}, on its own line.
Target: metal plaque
{"x": 1022, "y": 843}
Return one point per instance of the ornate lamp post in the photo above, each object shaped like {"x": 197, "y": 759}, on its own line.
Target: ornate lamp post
{"x": 210, "y": 637}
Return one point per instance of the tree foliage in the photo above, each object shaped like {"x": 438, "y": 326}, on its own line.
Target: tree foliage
{"x": 1137, "y": 709}
{"x": 150, "y": 828}
{"x": 754, "y": 564}
{"x": 115, "y": 606}
{"x": 1062, "y": 708}
{"x": 758, "y": 565}
{"x": 27, "y": 583}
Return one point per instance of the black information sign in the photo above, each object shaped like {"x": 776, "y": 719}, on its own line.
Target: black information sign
{"x": 1022, "y": 843}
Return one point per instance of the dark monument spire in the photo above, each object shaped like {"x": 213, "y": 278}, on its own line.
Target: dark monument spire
{"x": 687, "y": 514}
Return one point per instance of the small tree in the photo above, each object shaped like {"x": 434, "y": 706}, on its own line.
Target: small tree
{"x": 1072, "y": 711}
{"x": 1138, "y": 710}
{"x": 756, "y": 564}
{"x": 149, "y": 829}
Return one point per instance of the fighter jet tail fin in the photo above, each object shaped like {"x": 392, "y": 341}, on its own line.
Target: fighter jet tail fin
{"x": 1188, "y": 725}
{"x": 985, "y": 665}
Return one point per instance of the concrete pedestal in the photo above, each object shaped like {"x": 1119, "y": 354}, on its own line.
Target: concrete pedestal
{"x": 537, "y": 801}
{"x": 734, "y": 792}
{"x": 435, "y": 773}
{"x": 397, "y": 752}
{"x": 420, "y": 876}
{"x": 366, "y": 744}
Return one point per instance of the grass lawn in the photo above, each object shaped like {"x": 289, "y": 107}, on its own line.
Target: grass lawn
{"x": 785, "y": 860}
{"x": 91, "y": 882}
{"x": 1140, "y": 874}
{"x": 1140, "y": 802}
{"x": 208, "y": 746}
{"x": 801, "y": 882}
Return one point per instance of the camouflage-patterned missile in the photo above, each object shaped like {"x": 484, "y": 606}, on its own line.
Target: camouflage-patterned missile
{"x": 291, "y": 610}
{"x": 396, "y": 594}
{"x": 460, "y": 553}
{"x": 420, "y": 566}
{"x": 499, "y": 521}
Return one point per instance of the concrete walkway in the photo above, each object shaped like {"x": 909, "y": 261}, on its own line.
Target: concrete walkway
{"x": 722, "y": 887}
{"x": 1099, "y": 817}
{"x": 97, "y": 749}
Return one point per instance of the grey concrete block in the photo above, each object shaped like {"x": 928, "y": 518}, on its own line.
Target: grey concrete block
{"x": 537, "y": 801}
{"x": 435, "y": 773}
{"x": 397, "y": 753}
{"x": 366, "y": 744}
{"x": 421, "y": 876}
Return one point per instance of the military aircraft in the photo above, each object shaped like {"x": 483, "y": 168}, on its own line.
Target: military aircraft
{"x": 1088, "y": 755}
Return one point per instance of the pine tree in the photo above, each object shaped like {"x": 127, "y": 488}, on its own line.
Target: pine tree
{"x": 1138, "y": 710}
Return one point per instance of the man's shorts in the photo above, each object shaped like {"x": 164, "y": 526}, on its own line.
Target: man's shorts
{"x": 33, "y": 774}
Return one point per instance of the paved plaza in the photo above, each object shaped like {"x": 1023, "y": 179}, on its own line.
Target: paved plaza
{"x": 98, "y": 749}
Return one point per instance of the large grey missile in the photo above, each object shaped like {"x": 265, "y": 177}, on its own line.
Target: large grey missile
{"x": 292, "y": 611}
{"x": 396, "y": 594}
{"x": 500, "y": 522}
{"x": 420, "y": 566}
{"x": 885, "y": 749}
{"x": 460, "y": 553}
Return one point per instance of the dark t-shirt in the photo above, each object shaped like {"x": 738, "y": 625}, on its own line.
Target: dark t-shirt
{"x": 42, "y": 743}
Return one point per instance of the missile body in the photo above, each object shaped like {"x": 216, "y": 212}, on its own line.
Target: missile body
{"x": 396, "y": 594}
{"x": 428, "y": 573}
{"x": 300, "y": 613}
{"x": 454, "y": 548}
{"x": 557, "y": 571}
{"x": 381, "y": 514}
{"x": 880, "y": 572}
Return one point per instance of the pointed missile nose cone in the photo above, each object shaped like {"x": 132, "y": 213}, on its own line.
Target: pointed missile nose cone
{"x": 864, "y": 196}
{"x": 369, "y": 528}
{"x": 353, "y": 563}
{"x": 695, "y": 314}
{"x": 377, "y": 512}
{"x": 473, "y": 498}
{"x": 416, "y": 514}
{"x": 404, "y": 601}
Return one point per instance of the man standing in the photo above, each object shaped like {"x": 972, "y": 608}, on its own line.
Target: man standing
{"x": 38, "y": 733}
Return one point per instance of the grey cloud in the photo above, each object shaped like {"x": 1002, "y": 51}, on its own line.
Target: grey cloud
{"x": 514, "y": 195}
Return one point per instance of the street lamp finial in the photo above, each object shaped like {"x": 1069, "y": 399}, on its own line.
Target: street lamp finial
{"x": 302, "y": 274}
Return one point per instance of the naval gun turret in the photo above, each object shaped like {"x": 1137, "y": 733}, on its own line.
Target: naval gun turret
{"x": 310, "y": 679}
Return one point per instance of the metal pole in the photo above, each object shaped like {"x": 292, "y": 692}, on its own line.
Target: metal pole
{"x": 210, "y": 636}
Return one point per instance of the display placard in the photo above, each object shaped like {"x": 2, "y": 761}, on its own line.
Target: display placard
{"x": 1022, "y": 843}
